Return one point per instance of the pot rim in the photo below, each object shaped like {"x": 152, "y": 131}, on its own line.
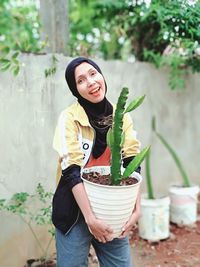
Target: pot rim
{"x": 161, "y": 200}
{"x": 178, "y": 189}
{"x": 134, "y": 174}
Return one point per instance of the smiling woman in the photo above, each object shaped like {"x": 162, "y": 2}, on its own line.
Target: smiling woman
{"x": 80, "y": 139}
{"x": 90, "y": 83}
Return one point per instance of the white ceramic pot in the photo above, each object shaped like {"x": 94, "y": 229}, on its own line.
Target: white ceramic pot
{"x": 183, "y": 208}
{"x": 112, "y": 204}
{"x": 154, "y": 220}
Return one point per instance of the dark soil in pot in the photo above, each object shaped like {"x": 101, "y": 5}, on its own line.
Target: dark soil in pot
{"x": 98, "y": 178}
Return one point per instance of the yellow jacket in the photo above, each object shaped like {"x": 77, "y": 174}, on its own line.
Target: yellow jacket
{"x": 74, "y": 138}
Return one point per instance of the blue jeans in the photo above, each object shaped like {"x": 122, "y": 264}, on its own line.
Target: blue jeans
{"x": 73, "y": 248}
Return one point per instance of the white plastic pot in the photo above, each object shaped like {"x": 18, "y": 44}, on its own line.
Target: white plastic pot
{"x": 112, "y": 204}
{"x": 183, "y": 208}
{"x": 154, "y": 220}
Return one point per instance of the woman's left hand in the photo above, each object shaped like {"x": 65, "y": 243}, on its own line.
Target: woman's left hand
{"x": 132, "y": 220}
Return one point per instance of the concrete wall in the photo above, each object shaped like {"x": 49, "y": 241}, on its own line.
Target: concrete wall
{"x": 30, "y": 105}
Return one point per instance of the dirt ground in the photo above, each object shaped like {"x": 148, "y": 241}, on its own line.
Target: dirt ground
{"x": 181, "y": 249}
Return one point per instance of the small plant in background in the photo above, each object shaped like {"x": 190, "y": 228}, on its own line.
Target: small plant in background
{"x": 150, "y": 191}
{"x": 34, "y": 210}
{"x": 153, "y": 223}
{"x": 115, "y": 139}
{"x": 10, "y": 61}
{"x": 186, "y": 180}
{"x": 53, "y": 67}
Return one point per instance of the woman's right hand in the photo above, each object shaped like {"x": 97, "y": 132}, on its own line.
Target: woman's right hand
{"x": 99, "y": 229}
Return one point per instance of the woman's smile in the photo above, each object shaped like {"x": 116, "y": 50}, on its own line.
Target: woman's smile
{"x": 95, "y": 91}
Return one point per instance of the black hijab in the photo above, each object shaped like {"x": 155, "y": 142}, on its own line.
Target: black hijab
{"x": 99, "y": 114}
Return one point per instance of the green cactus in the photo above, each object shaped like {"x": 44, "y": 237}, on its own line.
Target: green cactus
{"x": 150, "y": 191}
{"x": 115, "y": 139}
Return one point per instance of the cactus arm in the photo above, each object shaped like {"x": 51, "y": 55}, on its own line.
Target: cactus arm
{"x": 117, "y": 137}
{"x": 135, "y": 163}
{"x": 150, "y": 192}
{"x": 135, "y": 103}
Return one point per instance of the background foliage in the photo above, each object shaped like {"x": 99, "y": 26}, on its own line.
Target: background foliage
{"x": 33, "y": 209}
{"x": 161, "y": 32}
{"x": 165, "y": 33}
{"x": 19, "y": 31}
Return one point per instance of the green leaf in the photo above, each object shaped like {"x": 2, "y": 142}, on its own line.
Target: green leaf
{"x": 6, "y": 66}
{"x": 135, "y": 163}
{"x": 135, "y": 103}
{"x": 20, "y": 198}
{"x": 122, "y": 140}
{"x": 109, "y": 138}
{"x": 16, "y": 70}
{"x": 148, "y": 177}
{"x": 153, "y": 123}
{"x": 46, "y": 72}
{"x": 2, "y": 204}
{"x": 5, "y": 50}
{"x": 4, "y": 60}
{"x": 15, "y": 61}
{"x": 54, "y": 59}
{"x": 186, "y": 180}
{"x": 15, "y": 55}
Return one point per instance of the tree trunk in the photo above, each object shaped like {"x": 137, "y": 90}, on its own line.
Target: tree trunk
{"x": 55, "y": 26}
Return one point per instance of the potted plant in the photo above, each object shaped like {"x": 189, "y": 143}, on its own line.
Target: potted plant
{"x": 34, "y": 210}
{"x": 153, "y": 223}
{"x": 115, "y": 202}
{"x": 183, "y": 196}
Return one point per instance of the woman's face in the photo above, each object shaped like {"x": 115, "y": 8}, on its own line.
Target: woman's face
{"x": 90, "y": 83}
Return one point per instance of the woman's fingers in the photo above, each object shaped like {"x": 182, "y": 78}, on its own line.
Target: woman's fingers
{"x": 109, "y": 238}
{"x": 101, "y": 231}
{"x": 109, "y": 229}
{"x": 105, "y": 239}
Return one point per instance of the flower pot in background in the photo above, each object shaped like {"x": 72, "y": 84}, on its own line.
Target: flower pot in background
{"x": 183, "y": 207}
{"x": 112, "y": 204}
{"x": 154, "y": 220}
{"x": 198, "y": 204}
